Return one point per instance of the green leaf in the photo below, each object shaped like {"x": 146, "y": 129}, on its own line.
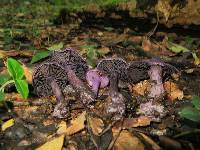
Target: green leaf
{"x": 92, "y": 54}
{"x": 56, "y": 46}
{"x": 40, "y": 55}
{"x": 190, "y": 113}
{"x": 15, "y": 69}
{"x": 176, "y": 48}
{"x": 196, "y": 102}
{"x": 22, "y": 88}
{"x": 4, "y": 78}
{"x": 2, "y": 96}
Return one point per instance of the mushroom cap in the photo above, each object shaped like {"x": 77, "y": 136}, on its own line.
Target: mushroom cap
{"x": 44, "y": 73}
{"x": 93, "y": 76}
{"x": 69, "y": 58}
{"x": 113, "y": 65}
{"x": 138, "y": 70}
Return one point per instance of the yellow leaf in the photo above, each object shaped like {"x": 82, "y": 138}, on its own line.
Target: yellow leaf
{"x": 7, "y": 124}
{"x": 55, "y": 144}
{"x": 96, "y": 125}
{"x": 76, "y": 124}
{"x": 62, "y": 127}
{"x": 127, "y": 141}
{"x": 173, "y": 91}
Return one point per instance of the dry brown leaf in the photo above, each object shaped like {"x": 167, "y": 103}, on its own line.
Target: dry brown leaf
{"x": 173, "y": 92}
{"x": 4, "y": 54}
{"x": 76, "y": 124}
{"x": 96, "y": 125}
{"x": 140, "y": 88}
{"x": 104, "y": 50}
{"x": 164, "y": 7}
{"x": 150, "y": 141}
{"x": 55, "y": 144}
{"x": 62, "y": 127}
{"x": 28, "y": 74}
{"x": 72, "y": 145}
{"x": 133, "y": 122}
{"x": 127, "y": 141}
{"x": 14, "y": 96}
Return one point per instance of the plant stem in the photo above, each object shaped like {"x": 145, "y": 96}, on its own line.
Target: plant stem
{"x": 5, "y": 84}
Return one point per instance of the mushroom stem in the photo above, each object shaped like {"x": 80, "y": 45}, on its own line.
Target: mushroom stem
{"x": 95, "y": 87}
{"x": 117, "y": 105}
{"x": 57, "y": 91}
{"x": 157, "y": 88}
{"x": 84, "y": 92}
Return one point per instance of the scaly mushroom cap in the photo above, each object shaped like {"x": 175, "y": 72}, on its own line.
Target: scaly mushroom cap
{"x": 138, "y": 70}
{"x": 114, "y": 65}
{"x": 44, "y": 73}
{"x": 69, "y": 58}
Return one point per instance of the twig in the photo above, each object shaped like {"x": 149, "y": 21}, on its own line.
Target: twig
{"x": 187, "y": 132}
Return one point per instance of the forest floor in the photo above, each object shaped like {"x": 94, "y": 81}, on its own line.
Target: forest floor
{"x": 29, "y": 31}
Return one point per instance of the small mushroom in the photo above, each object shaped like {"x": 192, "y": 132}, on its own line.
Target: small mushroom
{"x": 69, "y": 58}
{"x": 46, "y": 75}
{"x": 113, "y": 66}
{"x": 97, "y": 79}
{"x": 154, "y": 69}
{"x": 50, "y": 79}
{"x": 85, "y": 93}
{"x": 116, "y": 107}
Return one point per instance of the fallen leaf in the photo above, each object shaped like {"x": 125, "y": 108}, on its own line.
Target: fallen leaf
{"x": 147, "y": 45}
{"x": 153, "y": 144}
{"x": 55, "y": 144}
{"x": 196, "y": 59}
{"x": 126, "y": 141}
{"x": 133, "y": 122}
{"x": 28, "y": 74}
{"x": 7, "y": 124}
{"x": 104, "y": 50}
{"x": 26, "y": 53}
{"x": 62, "y": 127}
{"x": 164, "y": 7}
{"x": 140, "y": 88}
{"x": 76, "y": 124}
{"x": 173, "y": 92}
{"x": 96, "y": 125}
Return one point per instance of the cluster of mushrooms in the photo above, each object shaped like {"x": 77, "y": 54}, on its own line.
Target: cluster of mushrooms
{"x": 66, "y": 66}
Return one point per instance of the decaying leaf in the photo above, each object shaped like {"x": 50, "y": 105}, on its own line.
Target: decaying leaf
{"x": 173, "y": 92}
{"x": 76, "y": 124}
{"x": 7, "y": 124}
{"x": 62, "y": 127}
{"x": 96, "y": 125}
{"x": 55, "y": 144}
{"x": 104, "y": 50}
{"x": 126, "y": 141}
{"x": 27, "y": 74}
{"x": 164, "y": 7}
{"x": 140, "y": 88}
{"x": 150, "y": 141}
{"x": 4, "y": 54}
{"x": 133, "y": 122}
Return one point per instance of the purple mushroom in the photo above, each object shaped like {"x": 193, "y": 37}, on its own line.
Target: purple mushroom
{"x": 83, "y": 91}
{"x": 116, "y": 107}
{"x": 50, "y": 79}
{"x": 97, "y": 79}
{"x": 69, "y": 58}
{"x": 113, "y": 66}
{"x": 154, "y": 69}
